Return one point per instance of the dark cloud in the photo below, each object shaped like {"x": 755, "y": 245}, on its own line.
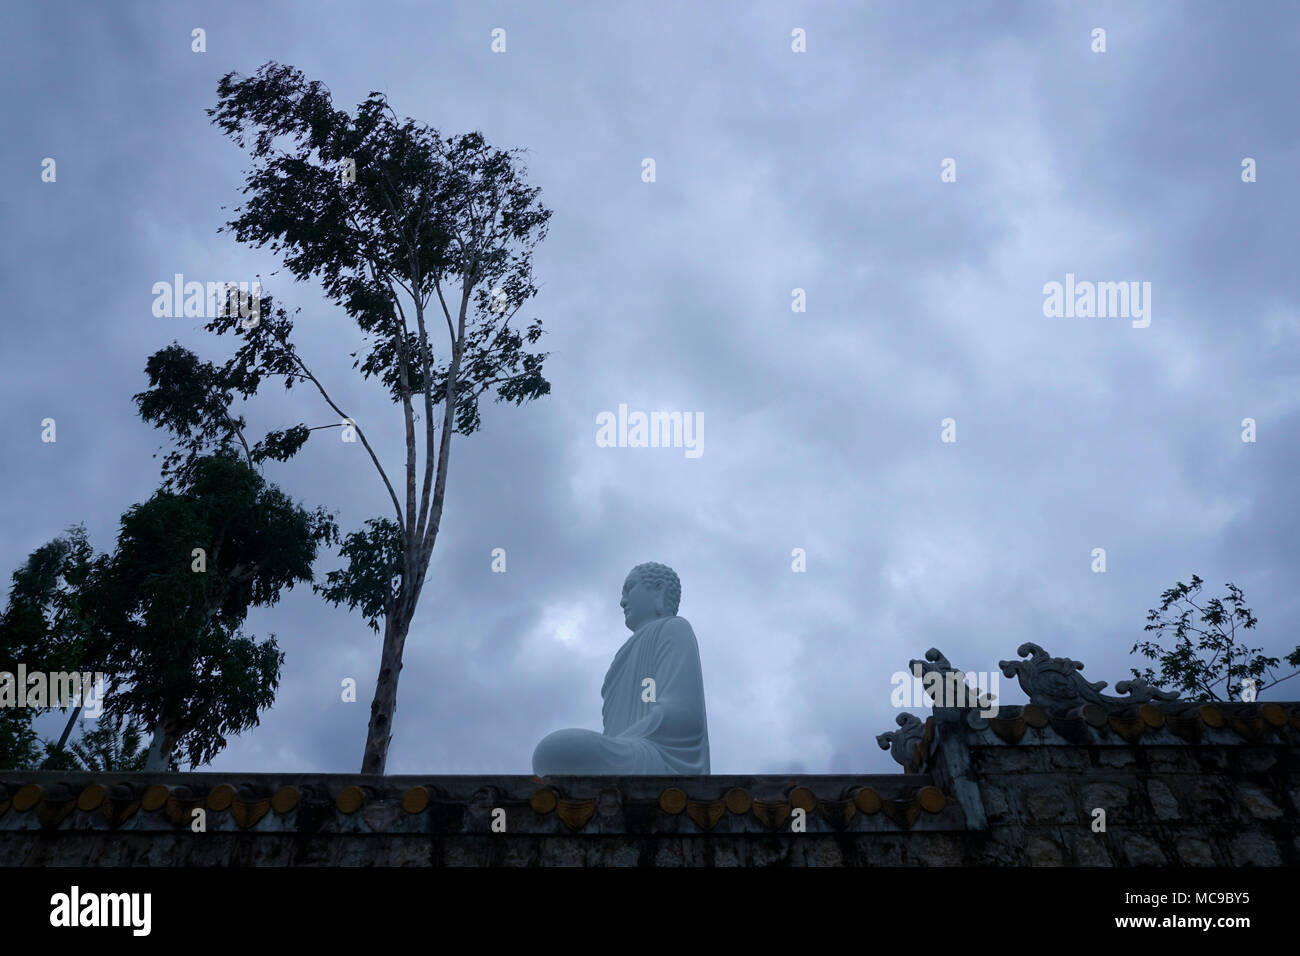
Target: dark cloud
{"x": 775, "y": 171}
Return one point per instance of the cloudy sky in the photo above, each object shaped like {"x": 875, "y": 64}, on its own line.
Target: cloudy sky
{"x": 775, "y": 170}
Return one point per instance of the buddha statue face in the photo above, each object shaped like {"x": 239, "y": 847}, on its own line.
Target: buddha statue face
{"x": 641, "y": 602}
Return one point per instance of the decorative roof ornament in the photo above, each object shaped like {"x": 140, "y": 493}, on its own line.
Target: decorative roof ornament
{"x": 902, "y": 743}
{"x": 948, "y": 686}
{"x": 1055, "y": 683}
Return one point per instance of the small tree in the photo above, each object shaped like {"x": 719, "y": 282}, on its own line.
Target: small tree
{"x": 19, "y": 743}
{"x": 161, "y": 615}
{"x": 110, "y": 748}
{"x": 189, "y": 566}
{"x": 45, "y": 625}
{"x": 1208, "y": 659}
{"x": 192, "y": 675}
{"x": 402, "y": 227}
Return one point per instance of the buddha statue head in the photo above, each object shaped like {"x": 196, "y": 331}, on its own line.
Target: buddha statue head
{"x": 651, "y": 591}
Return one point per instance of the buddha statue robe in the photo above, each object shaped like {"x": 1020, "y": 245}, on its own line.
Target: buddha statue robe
{"x": 666, "y": 736}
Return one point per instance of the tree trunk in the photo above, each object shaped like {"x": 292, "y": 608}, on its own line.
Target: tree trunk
{"x": 160, "y": 751}
{"x": 384, "y": 703}
{"x": 72, "y": 719}
{"x": 49, "y": 761}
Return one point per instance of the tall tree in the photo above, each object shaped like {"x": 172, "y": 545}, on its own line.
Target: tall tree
{"x": 402, "y": 227}
{"x": 1208, "y": 656}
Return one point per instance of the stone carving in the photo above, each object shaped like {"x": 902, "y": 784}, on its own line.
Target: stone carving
{"x": 948, "y": 685}
{"x": 1055, "y": 683}
{"x": 902, "y": 743}
{"x": 654, "y": 718}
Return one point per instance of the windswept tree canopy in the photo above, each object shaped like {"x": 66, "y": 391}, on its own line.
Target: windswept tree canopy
{"x": 413, "y": 235}
{"x": 192, "y": 399}
{"x": 444, "y": 220}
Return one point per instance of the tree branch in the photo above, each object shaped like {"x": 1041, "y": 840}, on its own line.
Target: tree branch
{"x": 307, "y": 374}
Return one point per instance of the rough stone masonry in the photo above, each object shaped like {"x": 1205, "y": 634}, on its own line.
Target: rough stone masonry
{"x": 1073, "y": 778}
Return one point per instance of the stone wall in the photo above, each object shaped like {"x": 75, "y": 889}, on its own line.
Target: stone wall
{"x": 1228, "y": 796}
{"x": 312, "y": 819}
{"x": 1179, "y": 783}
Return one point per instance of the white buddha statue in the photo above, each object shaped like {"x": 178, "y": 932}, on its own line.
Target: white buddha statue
{"x": 654, "y": 695}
